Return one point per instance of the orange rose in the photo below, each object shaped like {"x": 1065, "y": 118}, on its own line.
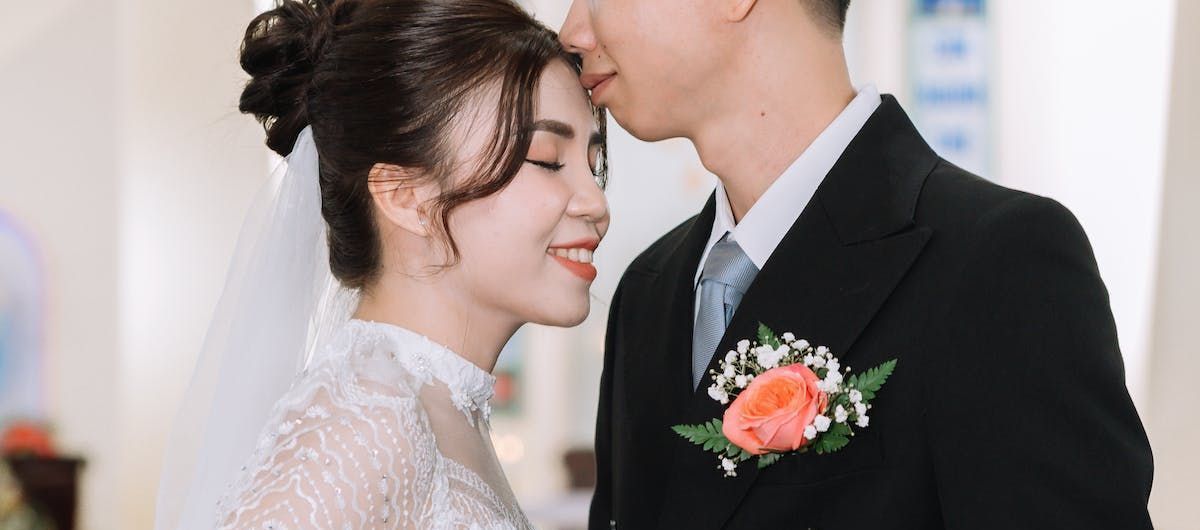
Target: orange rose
{"x": 771, "y": 413}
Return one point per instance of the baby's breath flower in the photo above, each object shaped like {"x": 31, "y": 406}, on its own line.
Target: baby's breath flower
{"x": 718, "y": 394}
{"x": 728, "y": 466}
{"x": 743, "y": 345}
{"x": 731, "y": 357}
{"x": 860, "y": 409}
{"x": 855, "y": 396}
{"x": 741, "y": 381}
{"x": 810, "y": 432}
{"x": 831, "y": 382}
{"x": 788, "y": 337}
{"x": 822, "y": 423}
{"x": 840, "y": 415}
{"x": 801, "y": 345}
{"x": 769, "y": 358}
{"x": 863, "y": 421}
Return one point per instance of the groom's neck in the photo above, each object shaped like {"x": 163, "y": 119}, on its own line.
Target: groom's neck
{"x": 772, "y": 105}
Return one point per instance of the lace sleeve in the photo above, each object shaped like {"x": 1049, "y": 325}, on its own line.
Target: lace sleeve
{"x": 348, "y": 456}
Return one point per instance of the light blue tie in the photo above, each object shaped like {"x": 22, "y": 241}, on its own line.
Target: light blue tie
{"x": 728, "y": 272}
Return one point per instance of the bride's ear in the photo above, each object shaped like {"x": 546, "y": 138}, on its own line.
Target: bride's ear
{"x": 401, "y": 197}
{"x": 738, "y": 10}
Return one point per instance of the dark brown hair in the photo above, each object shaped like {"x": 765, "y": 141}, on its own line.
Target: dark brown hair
{"x": 382, "y": 81}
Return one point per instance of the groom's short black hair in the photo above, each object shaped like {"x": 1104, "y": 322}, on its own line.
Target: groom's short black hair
{"x": 832, "y": 13}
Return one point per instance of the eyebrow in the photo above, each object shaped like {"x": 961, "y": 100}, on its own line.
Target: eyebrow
{"x": 565, "y": 130}
{"x": 555, "y": 127}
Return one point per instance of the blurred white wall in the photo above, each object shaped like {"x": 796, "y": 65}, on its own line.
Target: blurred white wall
{"x": 126, "y": 158}
{"x": 58, "y": 178}
{"x": 1173, "y": 393}
{"x": 188, "y": 164}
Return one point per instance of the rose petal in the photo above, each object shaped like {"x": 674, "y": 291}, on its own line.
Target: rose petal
{"x": 734, "y": 429}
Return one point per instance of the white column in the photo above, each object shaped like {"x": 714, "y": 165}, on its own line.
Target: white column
{"x": 1173, "y": 394}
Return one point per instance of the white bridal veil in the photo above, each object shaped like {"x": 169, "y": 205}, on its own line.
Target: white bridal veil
{"x": 279, "y": 299}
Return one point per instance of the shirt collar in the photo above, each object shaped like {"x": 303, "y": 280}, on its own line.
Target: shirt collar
{"x": 764, "y": 226}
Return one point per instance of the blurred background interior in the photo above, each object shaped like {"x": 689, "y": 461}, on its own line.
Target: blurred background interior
{"x": 125, "y": 170}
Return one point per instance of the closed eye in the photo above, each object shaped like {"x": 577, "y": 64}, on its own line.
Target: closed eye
{"x": 551, "y": 166}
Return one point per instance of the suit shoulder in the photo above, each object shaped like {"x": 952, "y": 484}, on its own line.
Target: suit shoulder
{"x": 955, "y": 199}
{"x": 978, "y": 216}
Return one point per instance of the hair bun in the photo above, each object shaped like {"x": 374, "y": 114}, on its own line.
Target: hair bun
{"x": 280, "y": 51}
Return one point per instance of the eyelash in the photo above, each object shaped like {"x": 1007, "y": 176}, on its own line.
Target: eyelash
{"x": 556, "y": 167}
{"x": 550, "y": 166}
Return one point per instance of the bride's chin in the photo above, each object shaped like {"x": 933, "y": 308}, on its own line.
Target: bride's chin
{"x": 567, "y": 315}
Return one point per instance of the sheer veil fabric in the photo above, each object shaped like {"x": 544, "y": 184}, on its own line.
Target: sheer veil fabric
{"x": 298, "y": 416}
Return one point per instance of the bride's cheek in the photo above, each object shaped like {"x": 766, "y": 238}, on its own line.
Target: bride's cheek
{"x": 528, "y": 204}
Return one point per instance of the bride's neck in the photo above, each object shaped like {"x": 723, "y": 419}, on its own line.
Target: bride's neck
{"x": 438, "y": 311}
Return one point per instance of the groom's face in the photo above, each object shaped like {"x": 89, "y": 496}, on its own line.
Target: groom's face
{"x": 650, "y": 62}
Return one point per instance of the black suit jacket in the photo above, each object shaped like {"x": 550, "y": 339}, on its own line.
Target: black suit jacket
{"x": 1008, "y": 408}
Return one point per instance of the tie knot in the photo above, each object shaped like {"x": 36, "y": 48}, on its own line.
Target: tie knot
{"x": 727, "y": 263}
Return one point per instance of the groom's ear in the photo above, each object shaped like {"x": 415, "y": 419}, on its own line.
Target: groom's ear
{"x": 738, "y": 10}
{"x": 401, "y": 195}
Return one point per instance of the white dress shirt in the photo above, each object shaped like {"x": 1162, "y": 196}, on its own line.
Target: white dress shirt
{"x": 770, "y": 218}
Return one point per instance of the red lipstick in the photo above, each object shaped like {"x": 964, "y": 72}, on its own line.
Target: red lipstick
{"x": 585, "y": 271}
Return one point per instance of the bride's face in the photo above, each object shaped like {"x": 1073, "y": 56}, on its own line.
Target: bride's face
{"x": 526, "y": 251}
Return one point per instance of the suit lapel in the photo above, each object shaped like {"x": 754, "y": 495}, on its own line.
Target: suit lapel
{"x": 831, "y": 273}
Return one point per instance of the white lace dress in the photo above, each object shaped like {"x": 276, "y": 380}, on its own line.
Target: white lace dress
{"x": 385, "y": 430}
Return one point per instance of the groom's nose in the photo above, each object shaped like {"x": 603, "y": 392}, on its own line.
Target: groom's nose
{"x": 576, "y": 35}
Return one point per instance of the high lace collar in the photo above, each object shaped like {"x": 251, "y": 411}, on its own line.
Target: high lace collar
{"x": 471, "y": 388}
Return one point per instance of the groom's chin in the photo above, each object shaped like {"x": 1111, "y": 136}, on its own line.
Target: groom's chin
{"x": 641, "y": 126}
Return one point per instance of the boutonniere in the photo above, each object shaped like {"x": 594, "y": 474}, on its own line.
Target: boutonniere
{"x": 787, "y": 397}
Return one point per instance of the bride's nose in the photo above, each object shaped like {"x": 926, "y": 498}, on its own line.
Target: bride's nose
{"x": 589, "y": 203}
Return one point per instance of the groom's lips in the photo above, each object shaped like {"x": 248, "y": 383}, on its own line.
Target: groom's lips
{"x": 596, "y": 83}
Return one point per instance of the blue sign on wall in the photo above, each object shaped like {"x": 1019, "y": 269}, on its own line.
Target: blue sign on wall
{"x": 949, "y": 63}
{"x": 21, "y": 322}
